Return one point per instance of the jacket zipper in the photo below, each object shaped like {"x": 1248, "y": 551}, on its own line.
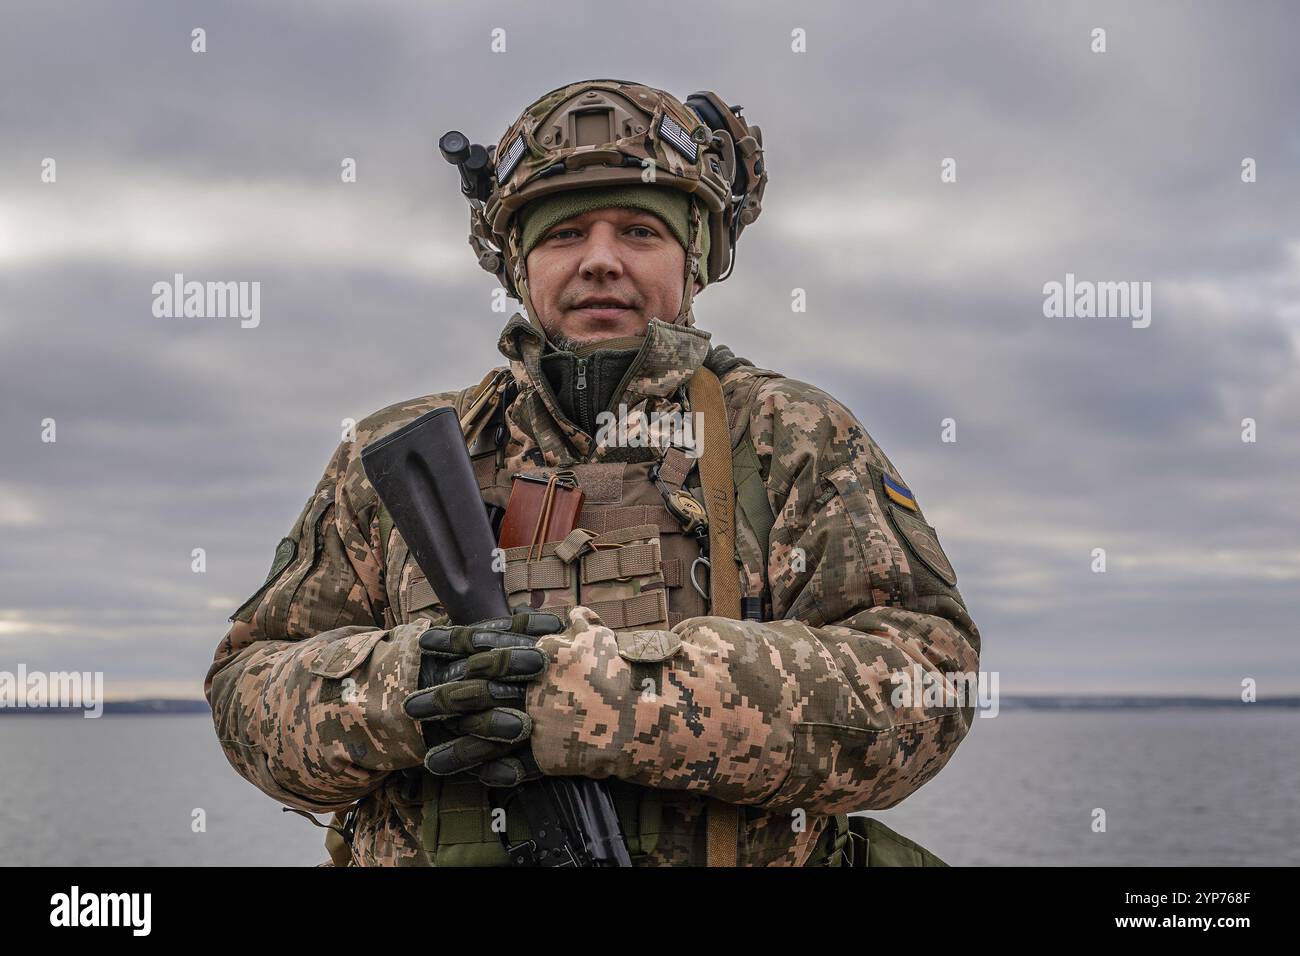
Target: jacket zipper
{"x": 582, "y": 398}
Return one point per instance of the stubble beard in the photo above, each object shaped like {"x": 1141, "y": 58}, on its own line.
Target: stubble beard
{"x": 562, "y": 342}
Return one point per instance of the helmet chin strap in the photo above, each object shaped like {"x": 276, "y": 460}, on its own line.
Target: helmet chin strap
{"x": 521, "y": 278}
{"x": 686, "y": 316}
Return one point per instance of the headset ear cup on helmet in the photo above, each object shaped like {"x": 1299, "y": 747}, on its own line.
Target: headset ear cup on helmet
{"x": 714, "y": 111}
{"x": 703, "y": 107}
{"x": 748, "y": 170}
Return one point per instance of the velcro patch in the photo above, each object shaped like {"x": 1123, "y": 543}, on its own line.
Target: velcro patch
{"x": 285, "y": 552}
{"x": 898, "y": 493}
{"x": 924, "y": 543}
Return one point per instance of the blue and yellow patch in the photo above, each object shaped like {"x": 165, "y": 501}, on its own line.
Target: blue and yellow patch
{"x": 898, "y": 494}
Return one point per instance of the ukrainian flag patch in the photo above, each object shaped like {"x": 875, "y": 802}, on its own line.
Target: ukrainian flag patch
{"x": 898, "y": 494}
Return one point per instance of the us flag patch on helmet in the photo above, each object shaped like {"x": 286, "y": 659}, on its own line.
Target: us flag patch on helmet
{"x": 672, "y": 131}
{"x": 511, "y": 159}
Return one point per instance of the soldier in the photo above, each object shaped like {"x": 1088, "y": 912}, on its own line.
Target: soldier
{"x": 726, "y": 661}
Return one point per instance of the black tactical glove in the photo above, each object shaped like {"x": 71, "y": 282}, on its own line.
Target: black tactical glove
{"x": 472, "y": 686}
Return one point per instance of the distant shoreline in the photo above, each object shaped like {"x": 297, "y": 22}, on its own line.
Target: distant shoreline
{"x": 149, "y": 705}
{"x": 1092, "y": 702}
{"x": 1138, "y": 702}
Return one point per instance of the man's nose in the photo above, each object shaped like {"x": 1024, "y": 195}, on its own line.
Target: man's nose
{"x": 600, "y": 254}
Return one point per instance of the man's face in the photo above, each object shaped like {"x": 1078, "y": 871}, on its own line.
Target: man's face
{"x": 605, "y": 274}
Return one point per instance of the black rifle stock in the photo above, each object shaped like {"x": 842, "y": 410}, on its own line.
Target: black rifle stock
{"x": 423, "y": 475}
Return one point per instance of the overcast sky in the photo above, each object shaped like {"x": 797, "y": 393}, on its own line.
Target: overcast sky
{"x": 925, "y": 299}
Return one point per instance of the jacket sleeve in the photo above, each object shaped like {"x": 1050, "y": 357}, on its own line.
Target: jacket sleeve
{"x": 799, "y": 711}
{"x": 306, "y": 688}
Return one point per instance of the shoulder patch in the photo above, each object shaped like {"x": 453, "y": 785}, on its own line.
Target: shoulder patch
{"x": 923, "y": 541}
{"x": 898, "y": 493}
{"x": 285, "y": 552}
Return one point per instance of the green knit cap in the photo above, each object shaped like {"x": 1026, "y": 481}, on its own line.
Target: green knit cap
{"x": 670, "y": 205}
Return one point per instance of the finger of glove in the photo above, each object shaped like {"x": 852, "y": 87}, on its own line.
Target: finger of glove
{"x": 461, "y": 697}
{"x": 463, "y": 753}
{"x": 502, "y": 663}
{"x": 508, "y": 771}
{"x": 439, "y": 670}
{"x": 524, "y": 620}
{"x": 538, "y": 623}
{"x": 505, "y": 663}
{"x": 503, "y": 724}
{"x": 484, "y": 636}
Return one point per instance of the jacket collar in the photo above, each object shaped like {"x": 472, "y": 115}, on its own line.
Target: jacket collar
{"x": 668, "y": 358}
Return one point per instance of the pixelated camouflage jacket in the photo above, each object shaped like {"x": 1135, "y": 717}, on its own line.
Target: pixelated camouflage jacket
{"x": 793, "y": 717}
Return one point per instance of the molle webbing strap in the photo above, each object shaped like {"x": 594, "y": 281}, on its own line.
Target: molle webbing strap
{"x": 630, "y": 561}
{"x": 542, "y": 574}
{"x": 724, "y": 825}
{"x": 420, "y": 595}
{"x": 724, "y": 574}
{"x": 645, "y": 609}
{"x": 613, "y": 518}
{"x": 674, "y": 467}
{"x": 575, "y": 544}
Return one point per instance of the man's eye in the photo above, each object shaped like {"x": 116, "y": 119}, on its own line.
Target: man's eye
{"x": 649, "y": 233}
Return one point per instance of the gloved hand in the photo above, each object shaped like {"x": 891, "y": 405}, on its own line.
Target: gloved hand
{"x": 472, "y": 685}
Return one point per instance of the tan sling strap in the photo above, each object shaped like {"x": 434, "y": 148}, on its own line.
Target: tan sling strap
{"x": 724, "y": 573}
{"x": 719, "y": 494}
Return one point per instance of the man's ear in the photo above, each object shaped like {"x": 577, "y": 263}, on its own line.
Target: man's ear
{"x": 697, "y": 286}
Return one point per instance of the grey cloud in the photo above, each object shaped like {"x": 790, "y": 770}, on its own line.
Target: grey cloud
{"x": 924, "y": 300}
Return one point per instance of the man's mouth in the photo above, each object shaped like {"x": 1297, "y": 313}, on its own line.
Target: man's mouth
{"x": 602, "y": 308}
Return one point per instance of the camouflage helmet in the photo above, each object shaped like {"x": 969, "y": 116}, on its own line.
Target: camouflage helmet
{"x": 608, "y": 132}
